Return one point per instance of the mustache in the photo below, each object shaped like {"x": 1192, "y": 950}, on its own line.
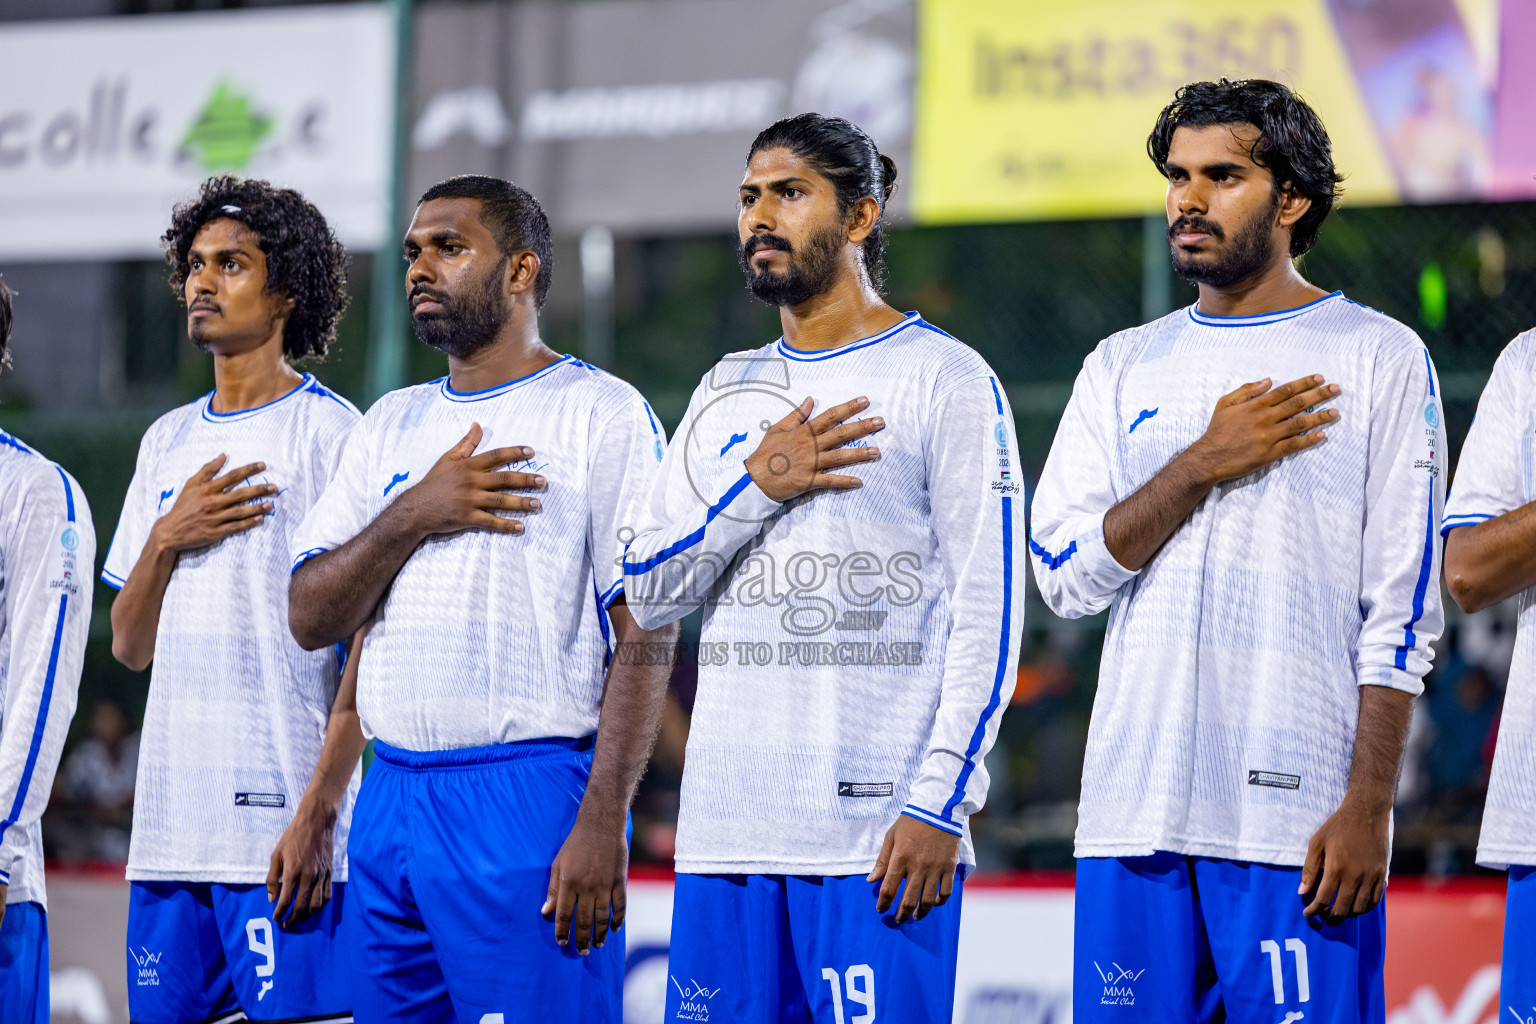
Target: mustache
{"x": 758, "y": 242}
{"x": 423, "y": 292}
{"x": 1209, "y": 227}
{"x": 203, "y": 303}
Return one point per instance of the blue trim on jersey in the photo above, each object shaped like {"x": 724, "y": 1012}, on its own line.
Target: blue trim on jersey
{"x": 41, "y": 725}
{"x": 1050, "y": 561}
{"x": 503, "y": 388}
{"x": 1256, "y": 319}
{"x": 1429, "y": 369}
{"x": 929, "y": 818}
{"x": 225, "y": 417}
{"x": 612, "y": 594}
{"x": 1450, "y": 523}
{"x": 11, "y": 442}
{"x": 814, "y": 355}
{"x": 1418, "y": 591}
{"x": 1002, "y": 663}
{"x": 996, "y": 395}
{"x": 112, "y": 581}
{"x": 5, "y": 878}
{"x": 631, "y": 569}
{"x": 315, "y": 387}
{"x": 305, "y": 556}
{"x": 651, "y": 416}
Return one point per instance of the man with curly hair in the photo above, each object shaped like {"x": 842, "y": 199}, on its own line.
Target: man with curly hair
{"x": 1253, "y": 485}
{"x": 237, "y": 809}
{"x": 47, "y": 548}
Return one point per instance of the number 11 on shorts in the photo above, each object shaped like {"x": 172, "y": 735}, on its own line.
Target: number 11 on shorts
{"x": 1277, "y": 973}
{"x": 861, "y": 990}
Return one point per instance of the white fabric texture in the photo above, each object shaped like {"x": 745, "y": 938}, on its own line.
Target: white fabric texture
{"x": 1227, "y": 700}
{"x": 237, "y": 710}
{"x": 47, "y": 556}
{"x": 858, "y": 647}
{"x": 485, "y": 637}
{"x": 1495, "y": 474}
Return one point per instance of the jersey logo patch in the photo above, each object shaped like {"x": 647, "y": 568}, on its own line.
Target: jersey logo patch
{"x": 1274, "y": 780}
{"x": 163, "y": 495}
{"x": 1145, "y": 415}
{"x": 399, "y": 478}
{"x": 733, "y": 442}
{"x": 260, "y": 800}
{"x": 865, "y": 789}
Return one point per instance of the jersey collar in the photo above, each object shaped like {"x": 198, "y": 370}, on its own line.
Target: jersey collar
{"x": 1258, "y": 319}
{"x": 500, "y": 389}
{"x": 815, "y": 355}
{"x": 230, "y": 417}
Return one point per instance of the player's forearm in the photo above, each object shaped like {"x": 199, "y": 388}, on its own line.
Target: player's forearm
{"x": 1381, "y": 736}
{"x": 1490, "y": 561}
{"x": 629, "y": 721}
{"x": 1137, "y": 528}
{"x": 344, "y": 742}
{"x": 136, "y": 609}
{"x": 332, "y": 595}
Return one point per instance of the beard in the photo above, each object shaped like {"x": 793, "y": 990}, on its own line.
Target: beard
{"x": 1251, "y": 249}
{"x": 812, "y": 268}
{"x": 466, "y": 323}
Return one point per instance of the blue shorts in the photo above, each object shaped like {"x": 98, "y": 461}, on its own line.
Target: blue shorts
{"x": 24, "y": 964}
{"x": 450, "y": 855}
{"x": 1176, "y": 938}
{"x": 776, "y": 949}
{"x": 1517, "y": 985}
{"x": 201, "y": 951}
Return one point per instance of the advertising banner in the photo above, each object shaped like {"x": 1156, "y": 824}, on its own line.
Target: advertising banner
{"x": 1015, "y": 964}
{"x": 636, "y": 115}
{"x": 1037, "y": 109}
{"x": 106, "y": 123}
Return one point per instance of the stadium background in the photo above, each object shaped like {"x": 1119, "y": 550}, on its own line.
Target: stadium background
{"x": 1027, "y": 224}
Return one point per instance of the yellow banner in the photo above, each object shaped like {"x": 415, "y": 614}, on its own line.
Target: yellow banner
{"x": 1040, "y": 109}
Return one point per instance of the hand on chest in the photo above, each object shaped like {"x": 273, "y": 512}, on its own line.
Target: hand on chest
{"x": 180, "y": 469}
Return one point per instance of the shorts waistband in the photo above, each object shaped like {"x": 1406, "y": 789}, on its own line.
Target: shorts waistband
{"x": 470, "y": 757}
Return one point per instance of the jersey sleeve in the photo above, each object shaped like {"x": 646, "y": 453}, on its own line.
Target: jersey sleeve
{"x": 973, "y": 483}
{"x": 1076, "y": 573}
{"x": 627, "y": 453}
{"x": 1489, "y": 476}
{"x": 681, "y": 544}
{"x": 341, "y": 511}
{"x": 49, "y": 555}
{"x": 1400, "y": 551}
{"x": 133, "y": 523}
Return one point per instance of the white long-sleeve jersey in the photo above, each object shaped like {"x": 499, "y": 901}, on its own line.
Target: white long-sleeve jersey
{"x": 237, "y": 709}
{"x": 858, "y": 647}
{"x": 1227, "y": 701}
{"x": 47, "y": 557}
{"x": 1497, "y": 474}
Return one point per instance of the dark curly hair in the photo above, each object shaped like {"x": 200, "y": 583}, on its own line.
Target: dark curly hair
{"x": 845, "y": 155}
{"x": 509, "y": 212}
{"x": 304, "y": 259}
{"x": 5, "y": 325}
{"x": 1292, "y": 141}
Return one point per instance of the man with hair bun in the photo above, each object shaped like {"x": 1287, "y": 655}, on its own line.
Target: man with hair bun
{"x": 862, "y": 614}
{"x": 1269, "y": 555}
{"x": 238, "y": 854}
{"x": 47, "y": 552}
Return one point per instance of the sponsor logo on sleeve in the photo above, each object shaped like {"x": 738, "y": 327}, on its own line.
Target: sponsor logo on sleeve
{"x": 1004, "y": 483}
{"x": 64, "y": 570}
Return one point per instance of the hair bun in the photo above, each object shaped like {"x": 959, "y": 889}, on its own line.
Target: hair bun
{"x": 888, "y": 176}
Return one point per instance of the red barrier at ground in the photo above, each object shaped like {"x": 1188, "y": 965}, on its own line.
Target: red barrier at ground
{"x": 1443, "y": 950}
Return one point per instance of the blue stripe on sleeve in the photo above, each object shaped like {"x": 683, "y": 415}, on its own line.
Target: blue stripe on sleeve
{"x": 1418, "y": 591}
{"x": 996, "y": 397}
{"x": 1429, "y": 369}
{"x": 112, "y": 581}
{"x": 41, "y": 725}
{"x": 633, "y": 569}
{"x": 1002, "y": 664}
{"x": 929, "y": 818}
{"x": 304, "y": 557}
{"x": 1053, "y": 562}
{"x": 1450, "y": 523}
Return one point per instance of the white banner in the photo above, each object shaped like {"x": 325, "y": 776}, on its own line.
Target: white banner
{"x": 106, "y": 123}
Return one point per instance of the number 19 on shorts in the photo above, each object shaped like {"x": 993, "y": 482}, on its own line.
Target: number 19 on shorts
{"x": 859, "y": 991}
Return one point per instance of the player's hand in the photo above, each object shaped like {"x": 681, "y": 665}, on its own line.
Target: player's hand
{"x": 464, "y": 491}
{"x": 1346, "y": 865}
{"x": 586, "y": 897}
{"x": 1257, "y": 425}
{"x": 210, "y": 508}
{"x": 299, "y": 876}
{"x": 922, "y": 856}
{"x": 796, "y": 452}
